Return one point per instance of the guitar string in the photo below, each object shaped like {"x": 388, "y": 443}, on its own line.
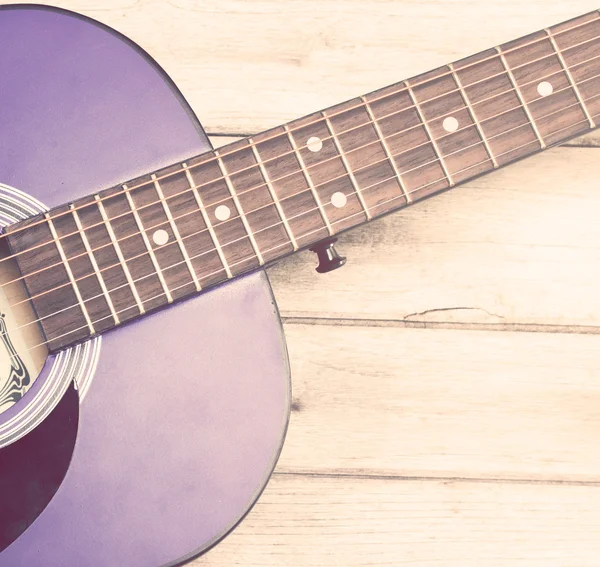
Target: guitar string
{"x": 164, "y": 223}
{"x": 266, "y": 184}
{"x": 363, "y": 105}
{"x": 401, "y": 196}
{"x": 167, "y": 222}
{"x": 278, "y": 246}
{"x": 295, "y": 151}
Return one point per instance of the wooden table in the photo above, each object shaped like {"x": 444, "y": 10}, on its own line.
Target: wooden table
{"x": 447, "y": 380}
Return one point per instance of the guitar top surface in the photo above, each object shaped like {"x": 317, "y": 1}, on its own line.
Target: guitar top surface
{"x": 184, "y": 416}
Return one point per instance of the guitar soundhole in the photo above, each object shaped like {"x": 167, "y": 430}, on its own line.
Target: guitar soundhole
{"x": 22, "y": 347}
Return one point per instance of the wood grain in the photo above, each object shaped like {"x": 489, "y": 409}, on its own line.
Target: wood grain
{"x": 305, "y": 522}
{"x": 443, "y": 403}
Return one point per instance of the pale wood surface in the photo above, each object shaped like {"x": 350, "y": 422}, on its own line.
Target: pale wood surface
{"x": 473, "y": 440}
{"x": 359, "y": 522}
{"x": 444, "y": 403}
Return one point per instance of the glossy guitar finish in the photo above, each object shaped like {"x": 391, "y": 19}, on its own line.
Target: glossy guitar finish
{"x": 184, "y": 419}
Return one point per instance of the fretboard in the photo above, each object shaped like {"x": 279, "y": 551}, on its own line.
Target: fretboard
{"x": 114, "y": 256}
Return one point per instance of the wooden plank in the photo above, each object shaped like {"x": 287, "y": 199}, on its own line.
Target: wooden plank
{"x": 518, "y": 246}
{"x": 304, "y": 522}
{"x": 245, "y": 66}
{"x": 421, "y": 402}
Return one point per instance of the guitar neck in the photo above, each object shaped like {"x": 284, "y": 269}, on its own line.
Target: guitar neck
{"x": 112, "y": 257}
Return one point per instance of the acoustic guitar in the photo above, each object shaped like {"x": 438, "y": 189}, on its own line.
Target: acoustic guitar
{"x": 144, "y": 379}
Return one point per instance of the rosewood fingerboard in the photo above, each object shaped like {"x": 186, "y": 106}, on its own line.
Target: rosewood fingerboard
{"x": 112, "y": 257}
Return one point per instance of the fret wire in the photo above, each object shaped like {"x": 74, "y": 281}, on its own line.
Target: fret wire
{"x": 445, "y": 94}
{"x": 310, "y": 210}
{"x": 399, "y": 196}
{"x": 434, "y": 144}
{"x": 347, "y": 167}
{"x": 386, "y": 149}
{"x": 206, "y": 219}
{"x": 97, "y": 270}
{"x": 472, "y": 114}
{"x": 533, "y": 42}
{"x": 361, "y": 125}
{"x": 570, "y": 77}
{"x": 243, "y": 260}
{"x": 521, "y": 98}
{"x": 456, "y": 90}
{"x": 193, "y": 187}
{"x": 271, "y": 189}
{"x": 67, "y": 267}
{"x": 144, "y": 236}
{"x": 238, "y": 205}
{"x": 119, "y": 252}
{"x": 175, "y": 230}
{"x": 311, "y": 185}
{"x": 534, "y": 81}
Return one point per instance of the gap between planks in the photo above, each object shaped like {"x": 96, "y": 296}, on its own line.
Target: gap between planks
{"x": 416, "y": 324}
{"x": 434, "y": 478}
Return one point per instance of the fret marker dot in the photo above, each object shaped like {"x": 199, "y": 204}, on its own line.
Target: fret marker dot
{"x": 450, "y": 124}
{"x": 545, "y": 89}
{"x": 160, "y": 237}
{"x": 314, "y": 144}
{"x": 222, "y": 213}
{"x": 338, "y": 200}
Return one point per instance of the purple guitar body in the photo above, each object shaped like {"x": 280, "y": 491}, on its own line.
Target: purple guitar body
{"x": 184, "y": 417}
